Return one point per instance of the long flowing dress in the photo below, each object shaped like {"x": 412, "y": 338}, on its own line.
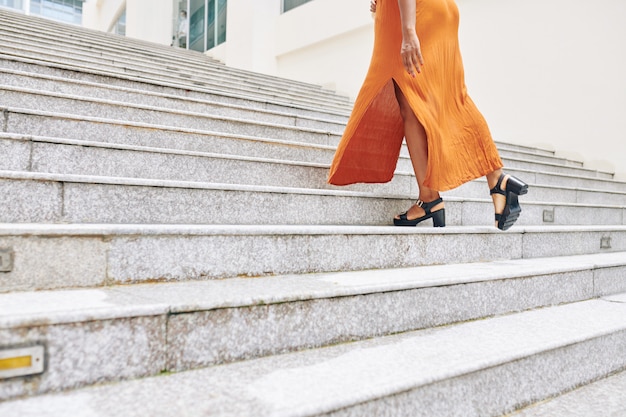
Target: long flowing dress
{"x": 460, "y": 146}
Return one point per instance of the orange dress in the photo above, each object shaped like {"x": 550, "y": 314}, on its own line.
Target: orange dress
{"x": 460, "y": 147}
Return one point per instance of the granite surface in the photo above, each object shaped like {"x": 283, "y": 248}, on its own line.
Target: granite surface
{"x": 603, "y": 398}
{"x": 524, "y": 355}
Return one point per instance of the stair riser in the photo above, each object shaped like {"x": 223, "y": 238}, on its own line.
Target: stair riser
{"x": 23, "y": 64}
{"x": 57, "y": 202}
{"x": 70, "y": 127}
{"x": 541, "y": 158}
{"x": 31, "y": 201}
{"x": 35, "y": 201}
{"x": 226, "y": 335}
{"x": 548, "y": 193}
{"x": 500, "y": 390}
{"x": 49, "y": 263}
{"x": 89, "y": 353}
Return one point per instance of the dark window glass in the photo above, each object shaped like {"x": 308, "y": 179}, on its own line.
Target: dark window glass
{"x": 292, "y": 4}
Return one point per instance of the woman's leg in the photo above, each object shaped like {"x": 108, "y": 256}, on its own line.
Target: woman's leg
{"x": 416, "y": 141}
{"x": 499, "y": 200}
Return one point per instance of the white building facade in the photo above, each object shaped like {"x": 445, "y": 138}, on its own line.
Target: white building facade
{"x": 546, "y": 73}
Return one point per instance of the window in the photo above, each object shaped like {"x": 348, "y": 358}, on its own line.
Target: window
{"x": 14, "y": 4}
{"x": 69, "y": 11}
{"x": 292, "y": 4}
{"x": 119, "y": 26}
{"x": 200, "y": 25}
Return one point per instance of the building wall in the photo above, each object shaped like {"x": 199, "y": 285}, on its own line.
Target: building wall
{"x": 545, "y": 73}
{"x": 550, "y": 73}
{"x": 102, "y": 14}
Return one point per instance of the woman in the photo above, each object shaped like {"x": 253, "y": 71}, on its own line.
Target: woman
{"x": 415, "y": 89}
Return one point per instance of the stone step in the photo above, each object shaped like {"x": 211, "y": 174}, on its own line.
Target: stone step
{"x": 134, "y": 105}
{"x": 20, "y": 20}
{"x": 60, "y": 71}
{"x": 11, "y": 65}
{"x": 96, "y": 129}
{"x": 45, "y": 254}
{"x": 120, "y": 68}
{"x": 106, "y": 47}
{"x": 79, "y": 157}
{"x": 605, "y": 397}
{"x": 137, "y": 94}
{"x": 496, "y": 365}
{"x": 33, "y": 197}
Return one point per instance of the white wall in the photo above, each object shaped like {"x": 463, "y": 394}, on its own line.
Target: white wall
{"x": 150, "y": 20}
{"x": 251, "y": 35}
{"x": 326, "y": 42}
{"x": 551, "y": 73}
{"x": 101, "y": 14}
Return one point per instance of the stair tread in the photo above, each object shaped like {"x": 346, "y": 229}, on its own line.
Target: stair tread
{"x": 22, "y": 309}
{"x": 328, "y": 379}
{"x": 603, "y": 398}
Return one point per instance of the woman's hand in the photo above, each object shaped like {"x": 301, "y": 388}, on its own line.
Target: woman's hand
{"x": 373, "y": 6}
{"x": 411, "y": 52}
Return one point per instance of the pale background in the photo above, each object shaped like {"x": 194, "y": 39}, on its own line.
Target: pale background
{"x": 548, "y": 73}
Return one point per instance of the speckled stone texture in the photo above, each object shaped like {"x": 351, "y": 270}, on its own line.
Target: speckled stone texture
{"x": 225, "y": 335}
{"x": 577, "y": 240}
{"x": 152, "y": 253}
{"x": 15, "y": 153}
{"x": 26, "y": 201}
{"x": 89, "y": 353}
{"x": 155, "y": 116}
{"x": 215, "y": 204}
{"x": 180, "y": 258}
{"x": 222, "y": 321}
{"x": 606, "y": 397}
{"x": 155, "y": 164}
{"x": 46, "y": 262}
{"x": 481, "y": 368}
{"x": 502, "y": 389}
{"x": 65, "y": 87}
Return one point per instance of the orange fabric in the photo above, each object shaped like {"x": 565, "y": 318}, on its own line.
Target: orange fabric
{"x": 460, "y": 147}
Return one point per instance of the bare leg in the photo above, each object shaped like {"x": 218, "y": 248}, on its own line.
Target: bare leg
{"x": 416, "y": 141}
{"x": 499, "y": 201}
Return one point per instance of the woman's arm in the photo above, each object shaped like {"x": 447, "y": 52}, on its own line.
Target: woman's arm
{"x": 411, "y": 51}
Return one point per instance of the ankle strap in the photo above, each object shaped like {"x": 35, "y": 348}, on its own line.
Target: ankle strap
{"x": 428, "y": 206}
{"x": 498, "y": 189}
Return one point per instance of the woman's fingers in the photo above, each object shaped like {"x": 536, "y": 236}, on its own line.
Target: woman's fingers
{"x": 373, "y": 6}
{"x": 412, "y": 58}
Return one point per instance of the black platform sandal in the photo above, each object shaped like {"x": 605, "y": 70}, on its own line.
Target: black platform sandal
{"x": 514, "y": 187}
{"x": 439, "y": 216}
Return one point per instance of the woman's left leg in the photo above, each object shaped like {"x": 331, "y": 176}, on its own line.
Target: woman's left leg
{"x": 417, "y": 144}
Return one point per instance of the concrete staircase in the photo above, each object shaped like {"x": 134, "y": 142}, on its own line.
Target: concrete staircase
{"x": 168, "y": 237}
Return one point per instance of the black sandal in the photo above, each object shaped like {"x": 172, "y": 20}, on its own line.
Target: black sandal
{"x": 439, "y": 216}
{"x": 514, "y": 188}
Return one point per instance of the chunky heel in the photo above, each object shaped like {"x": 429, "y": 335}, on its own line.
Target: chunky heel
{"x": 514, "y": 188}
{"x": 439, "y": 216}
